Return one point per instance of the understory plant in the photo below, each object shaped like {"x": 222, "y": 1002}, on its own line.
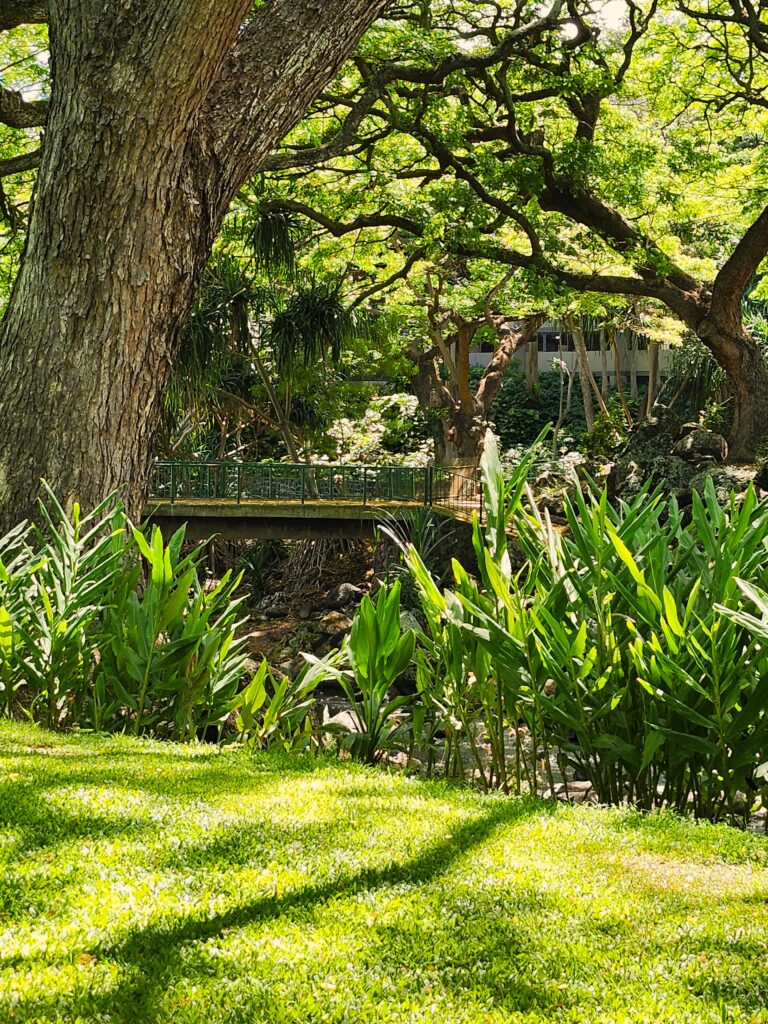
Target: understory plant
{"x": 621, "y": 649}
{"x": 103, "y": 628}
{"x": 378, "y": 651}
{"x": 275, "y": 713}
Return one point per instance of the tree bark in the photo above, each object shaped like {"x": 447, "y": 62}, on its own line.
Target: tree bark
{"x": 604, "y": 384}
{"x": 158, "y": 113}
{"x": 531, "y": 365}
{"x": 747, "y": 377}
{"x": 463, "y": 420}
{"x": 653, "y": 376}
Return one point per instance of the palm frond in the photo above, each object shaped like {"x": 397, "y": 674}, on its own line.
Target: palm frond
{"x": 314, "y": 325}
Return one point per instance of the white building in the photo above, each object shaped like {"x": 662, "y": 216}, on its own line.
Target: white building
{"x": 554, "y": 341}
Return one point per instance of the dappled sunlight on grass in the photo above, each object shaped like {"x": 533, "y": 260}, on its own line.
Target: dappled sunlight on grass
{"x": 149, "y": 882}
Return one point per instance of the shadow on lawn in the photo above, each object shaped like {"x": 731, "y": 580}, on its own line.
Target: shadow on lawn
{"x": 40, "y": 824}
{"x": 159, "y": 948}
{"x": 176, "y": 775}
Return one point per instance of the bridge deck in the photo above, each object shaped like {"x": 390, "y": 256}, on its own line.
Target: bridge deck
{"x": 270, "y": 508}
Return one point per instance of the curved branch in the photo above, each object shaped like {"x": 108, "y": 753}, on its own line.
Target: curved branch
{"x": 399, "y": 275}
{"x": 22, "y": 12}
{"x": 338, "y": 228}
{"x": 19, "y": 164}
{"x": 17, "y": 112}
{"x": 251, "y": 104}
{"x": 736, "y": 273}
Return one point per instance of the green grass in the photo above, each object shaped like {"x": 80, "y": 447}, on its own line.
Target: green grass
{"x": 142, "y": 882}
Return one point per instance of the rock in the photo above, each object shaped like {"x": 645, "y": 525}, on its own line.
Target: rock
{"x": 276, "y": 611}
{"x": 662, "y": 422}
{"x": 761, "y": 477}
{"x": 628, "y": 476}
{"x": 304, "y": 611}
{"x": 343, "y": 721}
{"x": 409, "y": 621}
{"x": 702, "y": 444}
{"x": 343, "y": 595}
{"x": 726, "y": 479}
{"x": 646, "y": 456}
{"x": 579, "y": 791}
{"x": 335, "y": 622}
{"x": 687, "y": 428}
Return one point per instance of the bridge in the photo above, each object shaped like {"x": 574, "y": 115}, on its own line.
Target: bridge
{"x": 244, "y": 500}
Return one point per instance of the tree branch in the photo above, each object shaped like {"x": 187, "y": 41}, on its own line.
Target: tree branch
{"x": 399, "y": 275}
{"x": 736, "y": 273}
{"x": 252, "y": 104}
{"x": 345, "y": 137}
{"x": 19, "y": 164}
{"x": 338, "y": 228}
{"x": 512, "y": 335}
{"x": 17, "y": 112}
{"x": 22, "y": 12}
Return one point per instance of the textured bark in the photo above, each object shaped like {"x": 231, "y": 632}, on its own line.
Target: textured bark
{"x": 157, "y": 115}
{"x": 748, "y": 384}
{"x": 653, "y": 376}
{"x": 531, "y": 365}
{"x": 463, "y": 419}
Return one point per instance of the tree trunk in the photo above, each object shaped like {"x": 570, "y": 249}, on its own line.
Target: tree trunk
{"x": 614, "y": 343}
{"x": 158, "y": 112}
{"x": 653, "y": 376}
{"x": 632, "y": 360}
{"x": 463, "y": 444}
{"x": 604, "y": 383}
{"x": 531, "y": 365}
{"x": 747, "y": 376}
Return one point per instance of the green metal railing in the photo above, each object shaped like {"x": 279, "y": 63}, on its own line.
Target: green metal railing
{"x": 456, "y": 489}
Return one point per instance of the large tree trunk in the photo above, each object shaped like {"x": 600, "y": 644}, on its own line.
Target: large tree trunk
{"x": 747, "y": 377}
{"x": 463, "y": 439}
{"x": 158, "y": 113}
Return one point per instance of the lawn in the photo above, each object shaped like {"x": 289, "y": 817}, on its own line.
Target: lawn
{"x": 145, "y": 882}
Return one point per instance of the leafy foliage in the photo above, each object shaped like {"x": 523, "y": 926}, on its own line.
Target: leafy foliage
{"x": 379, "y": 651}
{"x": 620, "y": 644}
{"x": 83, "y": 642}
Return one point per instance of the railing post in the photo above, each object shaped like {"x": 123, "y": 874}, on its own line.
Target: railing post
{"x": 365, "y": 485}
{"x": 239, "y": 483}
{"x": 269, "y": 482}
{"x": 302, "y": 483}
{"x": 173, "y": 482}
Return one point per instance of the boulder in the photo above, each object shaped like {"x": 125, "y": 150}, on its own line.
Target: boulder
{"x": 699, "y": 445}
{"x": 726, "y": 480}
{"x": 276, "y": 611}
{"x": 335, "y": 622}
{"x": 661, "y": 424}
{"x": 409, "y": 621}
{"x": 343, "y": 595}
